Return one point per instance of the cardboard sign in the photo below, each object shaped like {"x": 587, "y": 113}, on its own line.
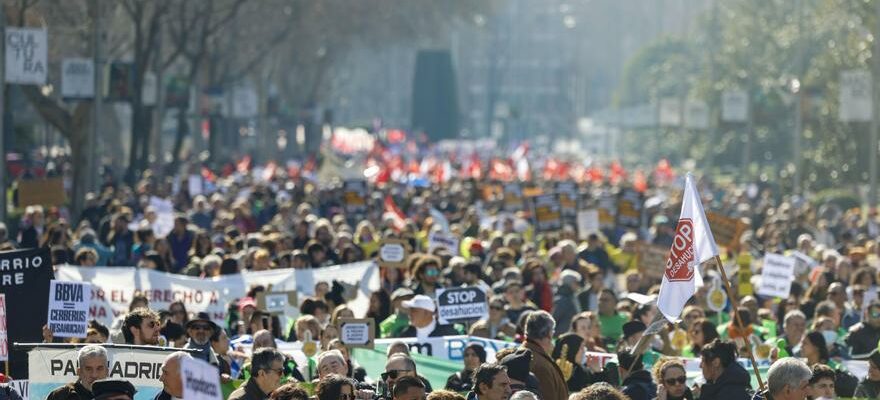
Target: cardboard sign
{"x": 568, "y": 198}
{"x": 587, "y": 223}
{"x": 276, "y": 302}
{"x": 547, "y": 213}
{"x": 357, "y": 332}
{"x": 201, "y": 381}
{"x": 43, "y": 192}
{"x": 652, "y": 260}
{"x": 629, "y": 209}
{"x": 4, "y": 338}
{"x": 354, "y": 196}
{"x": 393, "y": 253}
{"x": 727, "y": 231}
{"x": 69, "y": 308}
{"x": 441, "y": 239}
{"x": 776, "y": 275}
{"x": 513, "y": 197}
{"x": 607, "y": 211}
{"x": 461, "y": 304}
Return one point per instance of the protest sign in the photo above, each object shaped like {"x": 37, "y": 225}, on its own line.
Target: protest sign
{"x": 194, "y": 185}
{"x": 24, "y": 279}
{"x": 547, "y": 213}
{"x": 629, "y": 208}
{"x": 726, "y": 231}
{"x": 441, "y": 239}
{"x": 652, "y": 260}
{"x": 201, "y": 381}
{"x": 4, "y": 338}
{"x": 354, "y": 194}
{"x": 277, "y": 302}
{"x": 69, "y": 308}
{"x": 461, "y": 304}
{"x": 776, "y": 275}
{"x": 587, "y": 223}
{"x": 568, "y": 198}
{"x": 53, "y": 366}
{"x": 607, "y": 207}
{"x": 532, "y": 191}
{"x": 113, "y": 288}
{"x": 43, "y": 192}
{"x": 165, "y": 216}
{"x": 77, "y": 78}
{"x": 803, "y": 262}
{"x": 393, "y": 253}
{"x": 513, "y": 197}
{"x": 27, "y": 54}
{"x": 357, "y": 332}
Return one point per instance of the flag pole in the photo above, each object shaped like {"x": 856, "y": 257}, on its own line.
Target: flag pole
{"x": 735, "y": 304}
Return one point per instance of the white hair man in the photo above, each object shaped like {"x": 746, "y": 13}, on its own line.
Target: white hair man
{"x": 787, "y": 379}
{"x": 172, "y": 383}
{"x": 92, "y": 366}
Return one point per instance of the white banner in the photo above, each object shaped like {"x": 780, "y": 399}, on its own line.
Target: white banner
{"x": 51, "y": 368}
{"x": 77, "y": 78}
{"x": 69, "y": 308}
{"x": 734, "y": 106}
{"x": 201, "y": 381}
{"x": 855, "y": 95}
{"x": 587, "y": 222}
{"x": 777, "y": 273}
{"x": 27, "y": 54}
{"x": 114, "y": 287}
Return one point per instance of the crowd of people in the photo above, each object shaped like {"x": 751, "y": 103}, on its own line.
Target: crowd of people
{"x": 556, "y": 296}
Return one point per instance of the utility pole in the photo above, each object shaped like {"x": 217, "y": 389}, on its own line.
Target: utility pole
{"x": 3, "y": 134}
{"x": 93, "y": 163}
{"x": 875, "y": 99}
{"x": 798, "y": 93}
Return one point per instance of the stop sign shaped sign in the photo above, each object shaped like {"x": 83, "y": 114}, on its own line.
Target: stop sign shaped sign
{"x": 680, "y": 265}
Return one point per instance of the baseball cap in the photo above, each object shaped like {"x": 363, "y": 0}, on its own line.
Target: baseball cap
{"x": 246, "y": 301}
{"x": 420, "y": 301}
{"x": 401, "y": 292}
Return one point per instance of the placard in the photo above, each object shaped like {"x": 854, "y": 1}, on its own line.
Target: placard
{"x": 201, "y": 381}
{"x": 776, "y": 276}
{"x": 43, "y": 192}
{"x": 461, "y": 304}
{"x": 24, "y": 279}
{"x": 77, "y": 78}
{"x": 513, "y": 197}
{"x": 276, "y": 302}
{"x": 442, "y": 239}
{"x": 354, "y": 195}
{"x": 568, "y": 198}
{"x": 69, "y": 308}
{"x": 652, "y": 260}
{"x": 607, "y": 210}
{"x": 727, "y": 231}
{"x": 357, "y": 332}
{"x": 27, "y": 55}
{"x": 629, "y": 209}
{"x": 393, "y": 253}
{"x": 4, "y": 338}
{"x": 547, "y": 213}
{"x": 587, "y": 223}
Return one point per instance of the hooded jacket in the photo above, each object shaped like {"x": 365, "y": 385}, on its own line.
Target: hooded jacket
{"x": 733, "y": 384}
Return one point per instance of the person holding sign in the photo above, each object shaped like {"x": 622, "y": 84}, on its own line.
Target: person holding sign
{"x": 92, "y": 362}
{"x": 422, "y": 313}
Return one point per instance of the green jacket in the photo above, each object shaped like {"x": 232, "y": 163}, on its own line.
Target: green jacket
{"x": 393, "y": 325}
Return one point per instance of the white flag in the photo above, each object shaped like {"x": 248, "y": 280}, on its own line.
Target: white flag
{"x": 693, "y": 244}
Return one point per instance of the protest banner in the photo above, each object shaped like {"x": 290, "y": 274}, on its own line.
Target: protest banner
{"x": 21, "y": 386}
{"x": 54, "y": 365}
{"x": 43, "y": 192}
{"x": 547, "y": 213}
{"x": 113, "y": 288}
{"x": 652, "y": 260}
{"x": 587, "y": 223}
{"x": 568, "y": 198}
{"x": 461, "y": 304}
{"x": 27, "y": 55}
{"x": 629, "y": 208}
{"x": 513, "y": 197}
{"x": 777, "y": 274}
{"x": 393, "y": 253}
{"x": 24, "y": 279}
{"x": 357, "y": 332}
{"x": 354, "y": 194}
{"x": 607, "y": 207}
{"x": 727, "y": 231}
{"x": 276, "y": 303}
{"x": 69, "y": 308}
{"x": 4, "y": 338}
{"x": 201, "y": 381}
{"x": 441, "y": 239}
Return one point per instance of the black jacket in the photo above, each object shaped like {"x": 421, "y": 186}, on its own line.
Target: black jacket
{"x": 862, "y": 338}
{"x": 639, "y": 386}
{"x": 460, "y": 381}
{"x": 163, "y": 395}
{"x": 248, "y": 391}
{"x": 71, "y": 391}
{"x": 733, "y": 384}
{"x": 564, "y": 308}
{"x": 439, "y": 330}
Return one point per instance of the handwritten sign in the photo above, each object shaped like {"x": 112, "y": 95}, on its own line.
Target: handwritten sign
{"x": 27, "y": 52}
{"x": 357, "y": 332}
{"x": 392, "y": 253}
{"x": 441, "y": 239}
{"x": 776, "y": 275}
{"x": 587, "y": 223}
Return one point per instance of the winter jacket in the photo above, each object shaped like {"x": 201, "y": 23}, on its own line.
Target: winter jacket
{"x": 733, "y": 384}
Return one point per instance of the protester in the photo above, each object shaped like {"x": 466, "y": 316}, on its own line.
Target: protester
{"x": 267, "y": 368}
{"x": 334, "y": 387}
{"x": 92, "y": 366}
{"x": 539, "y": 339}
{"x": 787, "y": 379}
{"x": 869, "y": 387}
{"x": 171, "y": 377}
{"x": 671, "y": 380}
{"x": 422, "y": 317}
{"x": 141, "y": 327}
{"x": 200, "y": 330}
{"x": 822, "y": 383}
{"x": 289, "y": 391}
{"x": 637, "y": 382}
{"x": 113, "y": 389}
{"x": 491, "y": 383}
{"x": 725, "y": 378}
{"x": 462, "y": 381}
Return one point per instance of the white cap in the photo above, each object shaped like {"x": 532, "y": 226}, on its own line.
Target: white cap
{"x": 420, "y": 301}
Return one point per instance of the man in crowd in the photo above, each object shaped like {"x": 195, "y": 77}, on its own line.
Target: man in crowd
{"x": 787, "y": 379}
{"x": 172, "y": 382}
{"x": 422, "y": 321}
{"x": 822, "y": 382}
{"x": 539, "y": 339}
{"x": 399, "y": 320}
{"x": 92, "y": 361}
{"x": 199, "y": 330}
{"x": 141, "y": 327}
{"x": 267, "y": 368}
{"x": 400, "y": 365}
{"x": 331, "y": 362}
{"x": 408, "y": 388}
{"x": 491, "y": 382}
{"x": 113, "y": 389}
{"x": 863, "y": 336}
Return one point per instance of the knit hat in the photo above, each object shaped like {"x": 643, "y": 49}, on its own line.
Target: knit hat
{"x": 518, "y": 364}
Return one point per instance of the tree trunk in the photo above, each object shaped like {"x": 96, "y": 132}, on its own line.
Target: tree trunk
{"x": 182, "y": 132}
{"x": 79, "y": 153}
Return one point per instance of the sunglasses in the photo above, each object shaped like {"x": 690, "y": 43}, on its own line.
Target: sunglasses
{"x": 432, "y": 272}
{"x": 672, "y": 381}
{"x": 393, "y": 374}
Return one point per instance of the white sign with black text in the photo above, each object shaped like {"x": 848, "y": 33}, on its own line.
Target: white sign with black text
{"x": 461, "y": 304}
{"x": 27, "y": 54}
{"x": 77, "y": 78}
{"x": 201, "y": 381}
{"x": 440, "y": 239}
{"x": 69, "y": 308}
{"x": 776, "y": 275}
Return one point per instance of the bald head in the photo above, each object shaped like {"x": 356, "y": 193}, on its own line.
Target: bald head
{"x": 170, "y": 378}
{"x": 263, "y": 338}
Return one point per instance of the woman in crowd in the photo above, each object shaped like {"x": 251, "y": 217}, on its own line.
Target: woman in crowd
{"x": 462, "y": 381}
{"x": 380, "y": 308}
{"x": 671, "y": 380}
{"x": 700, "y": 333}
{"x": 725, "y": 378}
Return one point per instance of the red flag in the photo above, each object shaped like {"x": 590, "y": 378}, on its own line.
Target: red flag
{"x": 640, "y": 183}
{"x": 391, "y": 211}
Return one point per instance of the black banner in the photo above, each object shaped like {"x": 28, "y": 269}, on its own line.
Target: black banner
{"x": 24, "y": 279}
